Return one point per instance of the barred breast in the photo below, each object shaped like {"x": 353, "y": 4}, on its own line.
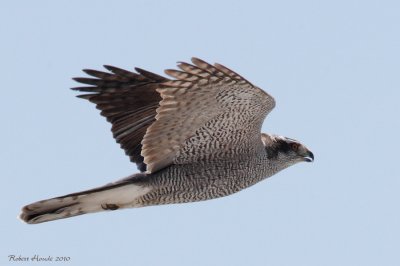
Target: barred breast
{"x": 205, "y": 180}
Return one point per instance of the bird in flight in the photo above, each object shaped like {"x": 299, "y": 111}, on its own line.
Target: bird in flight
{"x": 193, "y": 137}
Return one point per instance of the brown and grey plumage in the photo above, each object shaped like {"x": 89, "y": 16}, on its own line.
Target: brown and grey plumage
{"x": 195, "y": 137}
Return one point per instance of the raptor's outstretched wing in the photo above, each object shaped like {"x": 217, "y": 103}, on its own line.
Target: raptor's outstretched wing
{"x": 206, "y": 111}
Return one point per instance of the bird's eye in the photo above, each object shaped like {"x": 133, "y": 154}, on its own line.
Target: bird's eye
{"x": 294, "y": 146}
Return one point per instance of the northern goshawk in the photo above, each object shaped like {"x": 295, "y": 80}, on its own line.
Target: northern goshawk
{"x": 194, "y": 137}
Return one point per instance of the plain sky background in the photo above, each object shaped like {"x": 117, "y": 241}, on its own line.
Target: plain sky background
{"x": 333, "y": 68}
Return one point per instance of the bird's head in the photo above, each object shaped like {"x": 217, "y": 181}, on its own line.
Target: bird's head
{"x": 286, "y": 149}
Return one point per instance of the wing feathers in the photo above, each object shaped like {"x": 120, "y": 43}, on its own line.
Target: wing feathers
{"x": 182, "y": 75}
{"x": 105, "y": 76}
{"x": 124, "y": 73}
{"x": 128, "y": 100}
{"x": 199, "y": 94}
{"x": 207, "y": 67}
{"x": 193, "y": 70}
{"x": 150, "y": 75}
{"x": 231, "y": 73}
{"x": 158, "y": 121}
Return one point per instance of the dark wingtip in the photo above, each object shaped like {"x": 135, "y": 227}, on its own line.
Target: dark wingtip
{"x": 150, "y": 75}
{"x": 96, "y": 73}
{"x": 109, "y": 67}
{"x": 85, "y": 89}
{"x": 85, "y": 96}
{"x": 88, "y": 71}
{"x": 75, "y": 88}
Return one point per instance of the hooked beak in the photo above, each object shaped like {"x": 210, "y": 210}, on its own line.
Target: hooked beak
{"x": 309, "y": 157}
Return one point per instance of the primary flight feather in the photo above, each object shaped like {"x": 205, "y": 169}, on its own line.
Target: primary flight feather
{"x": 194, "y": 137}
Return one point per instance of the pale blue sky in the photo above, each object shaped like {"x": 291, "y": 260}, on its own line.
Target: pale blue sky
{"x": 333, "y": 68}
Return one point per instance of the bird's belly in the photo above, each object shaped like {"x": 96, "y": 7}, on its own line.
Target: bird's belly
{"x": 184, "y": 183}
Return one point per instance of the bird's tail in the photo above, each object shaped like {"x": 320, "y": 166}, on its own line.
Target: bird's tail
{"x": 108, "y": 197}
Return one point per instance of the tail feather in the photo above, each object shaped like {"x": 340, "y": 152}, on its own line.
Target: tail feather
{"x": 109, "y": 197}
